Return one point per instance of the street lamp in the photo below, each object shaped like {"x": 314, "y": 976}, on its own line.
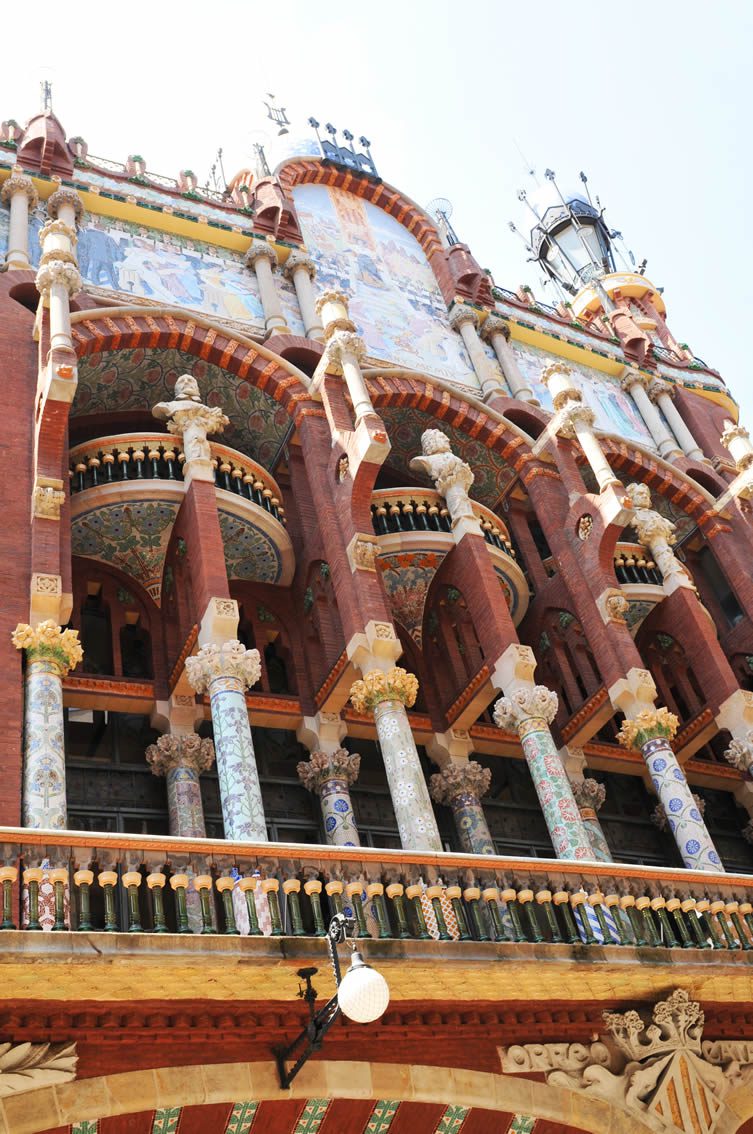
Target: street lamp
{"x": 362, "y": 995}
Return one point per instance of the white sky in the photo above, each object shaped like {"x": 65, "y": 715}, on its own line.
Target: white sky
{"x": 652, "y": 101}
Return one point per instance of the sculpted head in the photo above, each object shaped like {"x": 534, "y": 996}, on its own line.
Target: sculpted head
{"x": 187, "y": 388}
{"x": 639, "y": 495}
{"x": 434, "y": 441}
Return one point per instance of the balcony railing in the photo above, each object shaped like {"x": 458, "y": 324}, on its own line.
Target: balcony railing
{"x": 289, "y": 889}
{"x": 153, "y": 456}
{"x": 632, "y": 564}
{"x": 405, "y": 510}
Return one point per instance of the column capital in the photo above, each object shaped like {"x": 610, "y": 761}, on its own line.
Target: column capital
{"x": 732, "y": 432}
{"x": 589, "y": 793}
{"x": 572, "y": 415}
{"x": 177, "y": 751}
{"x": 228, "y": 660}
{"x": 468, "y": 778}
{"x": 492, "y": 326}
{"x": 648, "y": 724}
{"x": 48, "y": 497}
{"x": 658, "y": 388}
{"x": 258, "y": 250}
{"x": 58, "y": 271}
{"x": 323, "y": 766}
{"x": 299, "y": 259}
{"x": 62, "y": 197}
{"x": 342, "y": 343}
{"x": 740, "y": 752}
{"x": 19, "y": 182}
{"x": 48, "y": 642}
{"x": 375, "y": 686}
{"x": 630, "y": 377}
{"x": 525, "y": 703}
{"x": 331, "y": 295}
{"x": 58, "y": 228}
{"x": 461, "y": 314}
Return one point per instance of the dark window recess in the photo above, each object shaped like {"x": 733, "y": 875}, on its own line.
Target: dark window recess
{"x": 96, "y": 636}
{"x": 626, "y": 821}
{"x": 537, "y": 532}
{"x": 512, "y": 809}
{"x": 135, "y": 652}
{"x": 276, "y": 669}
{"x": 717, "y": 580}
{"x": 725, "y": 821}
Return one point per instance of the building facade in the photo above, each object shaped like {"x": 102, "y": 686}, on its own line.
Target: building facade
{"x": 339, "y": 579}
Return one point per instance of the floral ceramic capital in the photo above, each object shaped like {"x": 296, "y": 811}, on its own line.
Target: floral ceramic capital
{"x": 47, "y": 642}
{"x": 323, "y": 766}
{"x": 229, "y": 660}
{"x": 175, "y": 751}
{"x": 397, "y": 685}
{"x": 525, "y": 704}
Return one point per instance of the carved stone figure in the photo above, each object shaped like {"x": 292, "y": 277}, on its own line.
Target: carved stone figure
{"x": 655, "y": 532}
{"x": 188, "y": 417}
{"x": 451, "y": 475}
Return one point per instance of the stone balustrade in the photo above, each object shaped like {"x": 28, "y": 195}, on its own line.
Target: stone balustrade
{"x": 141, "y": 884}
{"x": 406, "y": 510}
{"x": 632, "y": 564}
{"x": 158, "y": 456}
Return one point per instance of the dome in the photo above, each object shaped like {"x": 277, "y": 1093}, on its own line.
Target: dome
{"x": 281, "y": 149}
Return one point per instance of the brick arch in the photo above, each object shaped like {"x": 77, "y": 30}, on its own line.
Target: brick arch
{"x": 113, "y": 329}
{"x": 665, "y": 481}
{"x": 313, "y": 171}
{"x": 457, "y": 412}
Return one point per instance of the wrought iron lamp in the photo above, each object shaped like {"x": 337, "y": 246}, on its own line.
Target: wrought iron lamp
{"x": 362, "y": 995}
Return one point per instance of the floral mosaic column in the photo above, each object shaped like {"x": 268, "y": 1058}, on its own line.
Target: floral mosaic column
{"x": 181, "y": 760}
{"x": 461, "y": 787}
{"x": 50, "y": 654}
{"x": 329, "y": 775}
{"x": 590, "y": 795}
{"x": 387, "y": 695}
{"x": 225, "y": 671}
{"x": 529, "y": 711}
{"x": 651, "y": 732}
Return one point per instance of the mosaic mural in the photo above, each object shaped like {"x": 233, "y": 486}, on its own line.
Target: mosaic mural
{"x": 123, "y": 380}
{"x": 154, "y": 197}
{"x": 249, "y": 551}
{"x": 407, "y": 579}
{"x": 615, "y": 410}
{"x": 4, "y": 227}
{"x": 131, "y": 536}
{"x": 395, "y": 301}
{"x": 405, "y": 426}
{"x": 170, "y": 269}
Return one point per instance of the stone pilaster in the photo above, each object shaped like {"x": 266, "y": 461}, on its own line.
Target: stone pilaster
{"x": 496, "y": 332}
{"x": 19, "y": 194}
{"x": 462, "y": 787}
{"x": 301, "y": 270}
{"x": 651, "y": 731}
{"x": 50, "y": 654}
{"x": 590, "y": 795}
{"x": 330, "y": 775}
{"x": 181, "y": 760}
{"x": 261, "y": 257}
{"x": 386, "y": 695}
{"x": 225, "y": 671}
{"x": 529, "y": 710}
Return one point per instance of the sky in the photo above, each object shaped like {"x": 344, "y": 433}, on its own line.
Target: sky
{"x": 652, "y": 101}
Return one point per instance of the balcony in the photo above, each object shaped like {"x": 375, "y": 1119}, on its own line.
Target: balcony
{"x": 640, "y": 580}
{"x": 126, "y": 492}
{"x": 410, "y": 522}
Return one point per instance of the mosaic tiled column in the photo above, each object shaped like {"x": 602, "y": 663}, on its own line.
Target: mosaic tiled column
{"x": 387, "y": 695}
{"x": 590, "y": 795}
{"x": 181, "y": 760}
{"x": 651, "y": 732}
{"x": 50, "y": 654}
{"x": 529, "y": 711}
{"x": 329, "y": 775}
{"x": 461, "y": 787}
{"x": 225, "y": 671}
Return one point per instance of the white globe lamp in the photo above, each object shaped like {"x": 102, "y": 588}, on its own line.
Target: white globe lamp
{"x": 363, "y": 994}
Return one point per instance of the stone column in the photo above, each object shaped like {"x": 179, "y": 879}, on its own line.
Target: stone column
{"x": 529, "y": 711}
{"x": 188, "y": 418}
{"x": 345, "y": 353}
{"x": 590, "y": 795}
{"x": 50, "y": 654}
{"x": 225, "y": 672}
{"x": 260, "y": 257}
{"x": 329, "y": 775}
{"x": 650, "y": 731}
{"x": 662, "y": 393}
{"x": 656, "y": 533}
{"x": 575, "y": 420}
{"x": 19, "y": 194}
{"x": 635, "y": 383}
{"x": 461, "y": 787}
{"x": 465, "y": 320}
{"x": 497, "y": 332}
{"x": 736, "y": 439}
{"x": 386, "y": 695}
{"x": 181, "y": 760}
{"x": 301, "y": 270}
